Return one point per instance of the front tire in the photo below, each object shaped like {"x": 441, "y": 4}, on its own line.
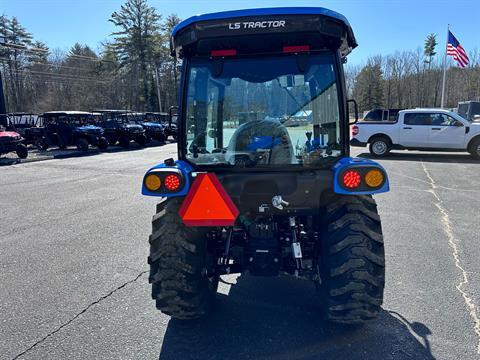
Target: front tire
{"x": 178, "y": 265}
{"x": 102, "y": 143}
{"x": 124, "y": 142}
{"x": 82, "y": 144}
{"x": 475, "y": 149}
{"x": 22, "y": 151}
{"x": 42, "y": 144}
{"x": 380, "y": 147}
{"x": 352, "y": 263}
{"x": 142, "y": 140}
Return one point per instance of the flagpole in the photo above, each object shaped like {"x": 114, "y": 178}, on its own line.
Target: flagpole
{"x": 445, "y": 69}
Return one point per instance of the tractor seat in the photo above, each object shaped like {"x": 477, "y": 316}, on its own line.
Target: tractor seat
{"x": 257, "y": 135}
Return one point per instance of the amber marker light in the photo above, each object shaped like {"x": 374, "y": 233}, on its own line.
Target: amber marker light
{"x": 152, "y": 182}
{"x": 374, "y": 178}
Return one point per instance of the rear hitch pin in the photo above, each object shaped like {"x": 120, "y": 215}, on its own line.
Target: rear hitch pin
{"x": 296, "y": 246}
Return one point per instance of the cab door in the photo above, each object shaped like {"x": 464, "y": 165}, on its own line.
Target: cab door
{"x": 446, "y": 132}
{"x": 415, "y": 130}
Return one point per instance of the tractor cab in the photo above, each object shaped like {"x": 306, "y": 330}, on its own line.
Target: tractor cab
{"x": 263, "y": 90}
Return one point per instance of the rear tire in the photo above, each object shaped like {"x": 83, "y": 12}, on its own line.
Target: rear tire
{"x": 22, "y": 151}
{"x": 178, "y": 262}
{"x": 475, "y": 149}
{"x": 380, "y": 146}
{"x": 102, "y": 143}
{"x": 352, "y": 264}
{"x": 82, "y": 144}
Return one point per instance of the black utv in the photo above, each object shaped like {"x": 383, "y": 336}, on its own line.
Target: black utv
{"x": 119, "y": 128}
{"x": 28, "y": 125}
{"x": 154, "y": 126}
{"x": 71, "y": 128}
{"x": 167, "y": 120}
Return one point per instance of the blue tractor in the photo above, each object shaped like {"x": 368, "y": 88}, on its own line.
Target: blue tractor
{"x": 264, "y": 183}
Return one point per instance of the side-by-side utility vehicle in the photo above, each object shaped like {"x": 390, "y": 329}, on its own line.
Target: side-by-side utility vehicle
{"x": 252, "y": 191}
{"x": 71, "y": 128}
{"x": 11, "y": 141}
{"x": 119, "y": 128}
{"x": 28, "y": 125}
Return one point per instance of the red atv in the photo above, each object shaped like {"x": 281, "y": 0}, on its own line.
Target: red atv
{"x": 12, "y": 141}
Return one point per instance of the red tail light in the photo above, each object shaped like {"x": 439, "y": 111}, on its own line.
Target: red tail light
{"x": 355, "y": 130}
{"x": 296, "y": 48}
{"x": 225, "y": 52}
{"x": 352, "y": 179}
{"x": 172, "y": 182}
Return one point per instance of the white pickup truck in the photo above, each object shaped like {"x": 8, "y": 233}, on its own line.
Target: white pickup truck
{"x": 419, "y": 129}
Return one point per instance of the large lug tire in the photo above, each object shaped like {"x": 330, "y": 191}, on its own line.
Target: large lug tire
{"x": 112, "y": 141}
{"x": 475, "y": 149}
{"x": 352, "y": 261}
{"x": 22, "y": 151}
{"x": 82, "y": 144}
{"x": 124, "y": 142}
{"x": 161, "y": 138}
{"x": 42, "y": 144}
{"x": 178, "y": 265}
{"x": 102, "y": 143}
{"x": 148, "y": 139}
{"x": 142, "y": 140}
{"x": 380, "y": 147}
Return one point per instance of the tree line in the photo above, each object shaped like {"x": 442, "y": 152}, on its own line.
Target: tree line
{"x": 410, "y": 79}
{"x": 132, "y": 70}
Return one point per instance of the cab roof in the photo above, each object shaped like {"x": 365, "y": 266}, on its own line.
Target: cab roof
{"x": 63, "y": 113}
{"x": 349, "y": 40}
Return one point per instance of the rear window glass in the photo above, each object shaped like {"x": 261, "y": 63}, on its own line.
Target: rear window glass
{"x": 418, "y": 119}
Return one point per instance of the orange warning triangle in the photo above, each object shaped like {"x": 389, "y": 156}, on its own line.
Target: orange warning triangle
{"x": 208, "y": 204}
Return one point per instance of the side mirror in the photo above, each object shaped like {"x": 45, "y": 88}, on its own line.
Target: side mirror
{"x": 171, "y": 113}
{"x": 458, "y": 124}
{"x": 355, "y": 107}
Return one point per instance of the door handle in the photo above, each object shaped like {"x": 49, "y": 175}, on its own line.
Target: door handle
{"x": 436, "y": 128}
{"x": 407, "y": 128}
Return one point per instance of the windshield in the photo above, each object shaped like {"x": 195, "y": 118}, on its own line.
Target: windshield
{"x": 263, "y": 112}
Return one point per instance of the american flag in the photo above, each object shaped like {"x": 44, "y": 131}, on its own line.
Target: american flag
{"x": 457, "y": 51}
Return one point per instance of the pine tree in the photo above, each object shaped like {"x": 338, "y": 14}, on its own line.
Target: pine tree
{"x": 368, "y": 88}
{"x": 429, "y": 48}
{"x": 135, "y": 42}
{"x": 17, "y": 39}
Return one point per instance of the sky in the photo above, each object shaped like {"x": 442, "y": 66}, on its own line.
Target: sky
{"x": 380, "y": 26}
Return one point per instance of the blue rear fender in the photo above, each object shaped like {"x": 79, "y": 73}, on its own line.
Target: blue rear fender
{"x": 179, "y": 165}
{"x": 361, "y": 165}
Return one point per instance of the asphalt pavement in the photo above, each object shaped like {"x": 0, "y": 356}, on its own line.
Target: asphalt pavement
{"x": 73, "y": 276}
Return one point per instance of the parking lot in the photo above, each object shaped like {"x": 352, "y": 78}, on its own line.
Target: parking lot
{"x": 73, "y": 248}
